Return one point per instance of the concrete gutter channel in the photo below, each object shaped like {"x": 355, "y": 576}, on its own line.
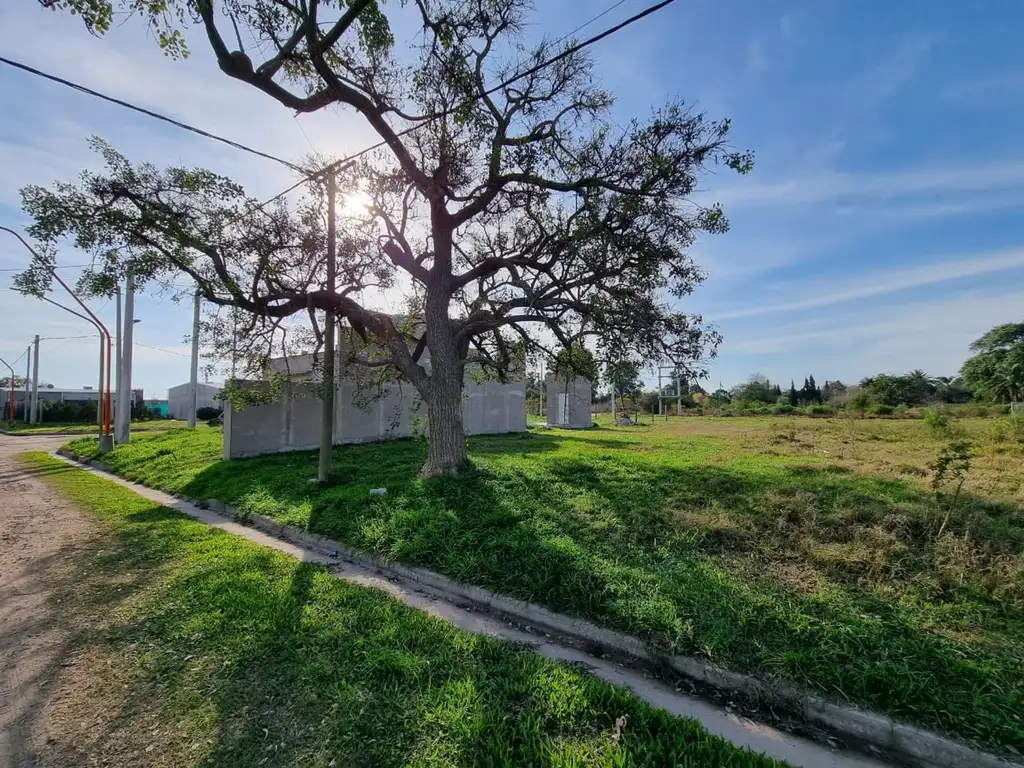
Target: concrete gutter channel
{"x": 854, "y": 738}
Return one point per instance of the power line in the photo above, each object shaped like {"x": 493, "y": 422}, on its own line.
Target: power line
{"x": 161, "y": 349}
{"x": 65, "y": 338}
{"x": 147, "y": 112}
{"x": 587, "y": 23}
{"x": 56, "y": 266}
{"x": 338, "y": 165}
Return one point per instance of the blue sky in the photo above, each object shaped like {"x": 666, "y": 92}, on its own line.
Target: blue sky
{"x": 881, "y": 229}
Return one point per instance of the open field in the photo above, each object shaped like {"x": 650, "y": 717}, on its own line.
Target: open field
{"x": 189, "y": 646}
{"x": 811, "y": 550}
{"x": 156, "y": 425}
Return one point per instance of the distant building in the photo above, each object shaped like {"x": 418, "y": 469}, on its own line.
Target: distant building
{"x": 157, "y": 406}
{"x": 179, "y": 402}
{"x": 58, "y": 395}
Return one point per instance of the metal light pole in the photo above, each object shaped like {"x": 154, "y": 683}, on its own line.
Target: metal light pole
{"x": 106, "y": 439}
{"x": 99, "y": 328}
{"x": 10, "y": 386}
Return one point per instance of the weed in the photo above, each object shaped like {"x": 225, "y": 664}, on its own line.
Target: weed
{"x": 937, "y": 422}
{"x": 951, "y": 468}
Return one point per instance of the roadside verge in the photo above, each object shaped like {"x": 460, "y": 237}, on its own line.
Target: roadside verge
{"x": 771, "y": 702}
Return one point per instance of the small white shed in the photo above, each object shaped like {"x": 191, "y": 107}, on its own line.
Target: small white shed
{"x": 178, "y": 400}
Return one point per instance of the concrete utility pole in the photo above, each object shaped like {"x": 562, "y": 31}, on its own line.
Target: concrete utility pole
{"x": 35, "y": 382}
{"x": 193, "y": 384}
{"x": 124, "y": 373}
{"x": 28, "y": 375}
{"x": 323, "y": 471}
{"x": 118, "y": 325}
{"x": 234, "y": 340}
{"x": 679, "y": 396}
{"x": 613, "y": 405}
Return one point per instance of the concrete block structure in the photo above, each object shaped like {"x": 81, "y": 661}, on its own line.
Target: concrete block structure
{"x": 179, "y": 402}
{"x": 569, "y": 402}
{"x": 292, "y": 422}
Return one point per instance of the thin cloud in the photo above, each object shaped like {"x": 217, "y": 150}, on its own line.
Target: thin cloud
{"x": 886, "y": 283}
{"x": 831, "y": 186}
{"x": 933, "y": 335}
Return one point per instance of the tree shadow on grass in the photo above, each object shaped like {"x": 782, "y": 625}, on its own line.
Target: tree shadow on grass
{"x": 829, "y": 579}
{"x": 190, "y": 643}
{"x": 695, "y": 559}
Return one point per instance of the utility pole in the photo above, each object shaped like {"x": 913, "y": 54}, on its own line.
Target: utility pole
{"x": 679, "y": 395}
{"x": 543, "y": 389}
{"x": 118, "y": 325}
{"x": 327, "y": 413}
{"x": 613, "y": 404}
{"x": 35, "y": 382}
{"x": 193, "y": 386}
{"x": 234, "y": 340}
{"x": 28, "y": 375}
{"x": 124, "y": 373}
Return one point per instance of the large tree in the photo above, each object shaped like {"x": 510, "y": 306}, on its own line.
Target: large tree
{"x": 513, "y": 209}
{"x": 996, "y": 370}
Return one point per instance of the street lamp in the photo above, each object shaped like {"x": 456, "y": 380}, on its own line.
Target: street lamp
{"x": 106, "y": 439}
{"x": 10, "y": 386}
{"x": 99, "y": 389}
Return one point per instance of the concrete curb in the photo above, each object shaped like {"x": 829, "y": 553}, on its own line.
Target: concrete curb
{"x": 880, "y": 733}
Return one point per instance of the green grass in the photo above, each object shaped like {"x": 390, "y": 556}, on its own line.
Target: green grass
{"x": 156, "y": 425}
{"x": 800, "y": 550}
{"x": 201, "y": 648}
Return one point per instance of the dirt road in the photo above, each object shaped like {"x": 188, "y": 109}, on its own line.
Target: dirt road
{"x": 39, "y": 528}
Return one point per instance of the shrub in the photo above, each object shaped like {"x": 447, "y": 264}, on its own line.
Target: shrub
{"x": 860, "y": 401}
{"x": 937, "y": 423}
{"x": 973, "y": 411}
{"x": 784, "y": 408}
{"x": 1007, "y": 430}
{"x": 72, "y": 412}
{"x": 819, "y": 410}
{"x": 880, "y": 409}
{"x": 207, "y": 412}
{"x": 900, "y": 410}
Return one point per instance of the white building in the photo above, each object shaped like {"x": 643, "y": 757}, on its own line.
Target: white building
{"x": 178, "y": 401}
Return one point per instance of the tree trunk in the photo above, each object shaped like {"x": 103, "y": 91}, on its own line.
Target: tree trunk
{"x": 447, "y": 452}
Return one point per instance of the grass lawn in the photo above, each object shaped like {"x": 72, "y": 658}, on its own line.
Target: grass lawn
{"x": 200, "y": 648}
{"x": 156, "y": 425}
{"x": 802, "y": 549}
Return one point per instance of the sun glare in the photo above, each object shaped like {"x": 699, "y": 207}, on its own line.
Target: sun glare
{"x": 355, "y": 204}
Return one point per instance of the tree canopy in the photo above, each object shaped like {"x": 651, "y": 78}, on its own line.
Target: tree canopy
{"x": 506, "y": 201}
{"x": 996, "y": 370}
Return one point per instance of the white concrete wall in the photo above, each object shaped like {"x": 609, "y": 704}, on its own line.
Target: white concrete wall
{"x": 178, "y": 403}
{"x": 569, "y": 403}
{"x": 293, "y": 422}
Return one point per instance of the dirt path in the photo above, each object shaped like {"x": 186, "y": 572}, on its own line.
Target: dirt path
{"x": 39, "y": 528}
